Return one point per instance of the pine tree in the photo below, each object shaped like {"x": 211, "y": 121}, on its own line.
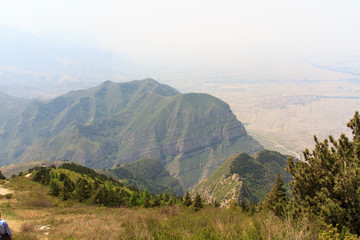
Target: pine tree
{"x": 146, "y": 199}
{"x": 62, "y": 177}
{"x": 134, "y": 199}
{"x": 67, "y": 189}
{"x": 173, "y": 199}
{"x": 327, "y": 183}
{"x": 197, "y": 202}
{"x": 42, "y": 175}
{"x": 113, "y": 199}
{"x": 187, "y": 199}
{"x": 123, "y": 196}
{"x": 157, "y": 201}
{"x": 276, "y": 200}
{"x": 100, "y": 197}
{"x": 54, "y": 187}
{"x": 2, "y": 177}
{"x": 166, "y": 196}
{"x": 82, "y": 190}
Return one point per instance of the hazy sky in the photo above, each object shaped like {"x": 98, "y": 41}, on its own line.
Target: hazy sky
{"x": 197, "y": 30}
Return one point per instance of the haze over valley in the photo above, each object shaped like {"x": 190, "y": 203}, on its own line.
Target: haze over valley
{"x": 183, "y": 119}
{"x": 282, "y": 103}
{"x": 287, "y": 72}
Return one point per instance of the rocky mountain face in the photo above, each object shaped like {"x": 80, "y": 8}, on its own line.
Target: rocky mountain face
{"x": 114, "y": 123}
{"x": 244, "y": 178}
{"x": 223, "y": 186}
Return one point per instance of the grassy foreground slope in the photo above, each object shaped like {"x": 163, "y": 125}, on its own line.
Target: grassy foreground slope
{"x": 33, "y": 214}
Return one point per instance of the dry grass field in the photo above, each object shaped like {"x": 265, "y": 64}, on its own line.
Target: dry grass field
{"x": 33, "y": 214}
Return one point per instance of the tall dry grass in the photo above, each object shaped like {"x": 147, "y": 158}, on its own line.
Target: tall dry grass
{"x": 31, "y": 208}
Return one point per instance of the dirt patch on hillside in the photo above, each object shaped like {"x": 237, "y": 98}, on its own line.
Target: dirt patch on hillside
{"x": 4, "y": 191}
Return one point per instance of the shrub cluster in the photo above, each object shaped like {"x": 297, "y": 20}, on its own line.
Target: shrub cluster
{"x": 326, "y": 185}
{"x": 75, "y": 182}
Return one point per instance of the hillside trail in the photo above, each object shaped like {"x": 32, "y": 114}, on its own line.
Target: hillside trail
{"x": 4, "y": 191}
{"x": 14, "y": 224}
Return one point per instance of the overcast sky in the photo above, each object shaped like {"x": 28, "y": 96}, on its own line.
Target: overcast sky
{"x": 197, "y": 30}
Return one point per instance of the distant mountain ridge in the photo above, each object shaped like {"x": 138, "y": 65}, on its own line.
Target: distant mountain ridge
{"x": 114, "y": 123}
{"x": 15, "y": 169}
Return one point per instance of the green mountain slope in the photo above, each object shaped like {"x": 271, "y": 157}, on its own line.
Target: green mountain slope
{"x": 148, "y": 174}
{"x": 245, "y": 178}
{"x": 114, "y": 123}
{"x": 10, "y": 107}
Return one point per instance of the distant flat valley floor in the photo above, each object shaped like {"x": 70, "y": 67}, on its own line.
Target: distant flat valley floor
{"x": 285, "y": 116}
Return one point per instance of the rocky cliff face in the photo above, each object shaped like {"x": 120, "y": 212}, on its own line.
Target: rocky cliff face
{"x": 244, "y": 178}
{"x": 114, "y": 123}
{"x": 227, "y": 188}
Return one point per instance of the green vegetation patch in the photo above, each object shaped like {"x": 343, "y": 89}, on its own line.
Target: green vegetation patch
{"x": 147, "y": 174}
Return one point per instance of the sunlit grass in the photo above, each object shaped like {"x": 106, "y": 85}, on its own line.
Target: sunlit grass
{"x": 31, "y": 207}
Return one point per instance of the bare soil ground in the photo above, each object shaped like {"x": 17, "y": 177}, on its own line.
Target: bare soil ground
{"x": 4, "y": 191}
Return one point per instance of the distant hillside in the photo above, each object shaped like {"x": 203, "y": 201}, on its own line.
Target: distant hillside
{"x": 114, "y": 123}
{"x": 245, "y": 178}
{"x": 15, "y": 169}
{"x": 148, "y": 174}
{"x": 10, "y": 107}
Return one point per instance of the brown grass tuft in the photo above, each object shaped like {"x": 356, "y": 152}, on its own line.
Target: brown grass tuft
{"x": 27, "y": 227}
{"x": 40, "y": 204}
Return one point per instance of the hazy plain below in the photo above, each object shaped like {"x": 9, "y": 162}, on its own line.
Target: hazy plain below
{"x": 282, "y": 101}
{"x": 284, "y": 116}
